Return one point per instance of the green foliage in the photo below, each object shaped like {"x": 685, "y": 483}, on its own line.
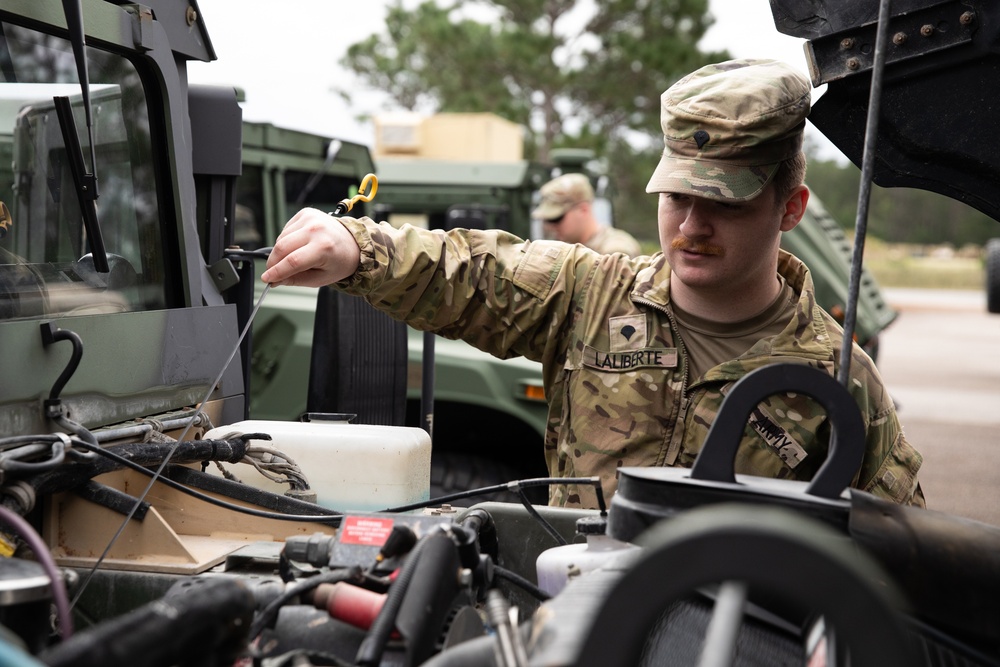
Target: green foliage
{"x": 588, "y": 87}
{"x": 898, "y": 215}
{"x": 635, "y": 209}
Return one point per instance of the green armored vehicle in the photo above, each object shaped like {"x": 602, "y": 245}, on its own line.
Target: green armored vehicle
{"x": 123, "y": 390}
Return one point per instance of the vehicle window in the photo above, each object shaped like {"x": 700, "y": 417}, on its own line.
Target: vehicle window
{"x": 249, "y": 232}
{"x": 46, "y": 265}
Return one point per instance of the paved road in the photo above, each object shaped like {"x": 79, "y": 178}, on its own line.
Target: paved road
{"x": 941, "y": 362}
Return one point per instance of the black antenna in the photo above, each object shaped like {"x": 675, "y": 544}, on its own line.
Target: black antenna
{"x": 73, "y": 9}
{"x": 864, "y": 193}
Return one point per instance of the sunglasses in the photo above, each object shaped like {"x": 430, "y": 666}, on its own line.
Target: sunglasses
{"x": 555, "y": 221}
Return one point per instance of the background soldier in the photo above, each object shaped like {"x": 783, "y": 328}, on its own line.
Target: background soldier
{"x": 567, "y": 209}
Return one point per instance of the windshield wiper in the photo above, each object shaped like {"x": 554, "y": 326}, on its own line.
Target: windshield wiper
{"x": 85, "y": 182}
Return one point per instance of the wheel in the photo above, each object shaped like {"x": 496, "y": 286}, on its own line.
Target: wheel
{"x": 993, "y": 276}
{"x": 452, "y": 472}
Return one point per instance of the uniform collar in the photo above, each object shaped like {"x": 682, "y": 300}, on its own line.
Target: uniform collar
{"x": 805, "y": 336}
{"x": 652, "y": 283}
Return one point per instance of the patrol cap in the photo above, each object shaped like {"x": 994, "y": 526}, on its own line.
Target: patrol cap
{"x": 727, "y": 127}
{"x": 561, "y": 194}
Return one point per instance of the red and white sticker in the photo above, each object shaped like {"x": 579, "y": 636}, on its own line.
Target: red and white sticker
{"x": 370, "y": 531}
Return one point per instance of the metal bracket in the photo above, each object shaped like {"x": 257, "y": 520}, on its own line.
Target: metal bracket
{"x": 224, "y": 274}
{"x": 849, "y": 52}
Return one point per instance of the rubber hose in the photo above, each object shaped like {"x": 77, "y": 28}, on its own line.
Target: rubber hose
{"x": 371, "y": 649}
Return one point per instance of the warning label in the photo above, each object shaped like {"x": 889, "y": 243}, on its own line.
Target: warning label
{"x": 369, "y": 531}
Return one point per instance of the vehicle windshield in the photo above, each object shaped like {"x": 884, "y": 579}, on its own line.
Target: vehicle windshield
{"x": 46, "y": 268}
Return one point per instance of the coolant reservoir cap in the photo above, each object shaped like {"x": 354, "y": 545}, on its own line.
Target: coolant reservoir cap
{"x": 592, "y": 525}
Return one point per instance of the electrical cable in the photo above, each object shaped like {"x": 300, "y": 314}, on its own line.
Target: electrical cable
{"x": 546, "y": 526}
{"x": 44, "y": 557}
{"x": 509, "y": 486}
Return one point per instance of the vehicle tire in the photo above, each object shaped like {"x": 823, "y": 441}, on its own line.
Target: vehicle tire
{"x": 452, "y": 472}
{"x": 993, "y": 275}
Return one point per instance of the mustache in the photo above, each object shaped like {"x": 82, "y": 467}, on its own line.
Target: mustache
{"x": 684, "y": 243}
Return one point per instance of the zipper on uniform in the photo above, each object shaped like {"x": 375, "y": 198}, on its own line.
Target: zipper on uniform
{"x": 676, "y": 434}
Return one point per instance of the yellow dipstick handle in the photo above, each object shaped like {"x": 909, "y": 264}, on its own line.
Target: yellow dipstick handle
{"x": 345, "y": 205}
{"x": 369, "y": 180}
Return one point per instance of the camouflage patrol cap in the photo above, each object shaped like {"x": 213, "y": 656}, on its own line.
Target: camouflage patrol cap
{"x": 561, "y": 194}
{"x": 727, "y": 127}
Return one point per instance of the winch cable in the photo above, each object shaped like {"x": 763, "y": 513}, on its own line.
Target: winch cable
{"x": 864, "y": 192}
{"x": 369, "y": 183}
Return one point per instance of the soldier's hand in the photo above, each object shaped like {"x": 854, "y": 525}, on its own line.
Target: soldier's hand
{"x": 314, "y": 249}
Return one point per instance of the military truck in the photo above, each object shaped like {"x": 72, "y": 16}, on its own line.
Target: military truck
{"x": 122, "y": 303}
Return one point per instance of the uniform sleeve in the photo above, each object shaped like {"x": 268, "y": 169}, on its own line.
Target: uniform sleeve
{"x": 893, "y": 476}
{"x": 890, "y": 465}
{"x": 489, "y": 288}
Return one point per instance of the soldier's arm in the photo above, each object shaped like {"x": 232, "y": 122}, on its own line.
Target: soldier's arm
{"x": 312, "y": 250}
{"x": 499, "y": 293}
{"x": 891, "y": 465}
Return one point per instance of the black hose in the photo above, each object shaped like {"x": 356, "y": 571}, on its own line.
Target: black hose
{"x": 332, "y": 518}
{"x": 521, "y": 582}
{"x": 371, "y": 649}
{"x": 113, "y": 499}
{"x": 11, "y": 460}
{"x": 198, "y": 622}
{"x": 52, "y": 334}
{"x": 477, "y": 520}
{"x": 268, "y": 613}
{"x": 548, "y": 527}
{"x": 66, "y": 478}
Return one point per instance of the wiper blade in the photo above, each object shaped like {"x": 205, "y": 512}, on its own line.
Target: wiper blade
{"x": 86, "y": 184}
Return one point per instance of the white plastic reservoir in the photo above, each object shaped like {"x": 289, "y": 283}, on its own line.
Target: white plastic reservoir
{"x": 555, "y": 566}
{"x": 351, "y": 467}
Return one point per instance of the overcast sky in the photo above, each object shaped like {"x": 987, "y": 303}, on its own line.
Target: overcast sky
{"x": 285, "y": 56}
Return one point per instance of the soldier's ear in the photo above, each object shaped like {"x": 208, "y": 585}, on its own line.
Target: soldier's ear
{"x": 794, "y": 208}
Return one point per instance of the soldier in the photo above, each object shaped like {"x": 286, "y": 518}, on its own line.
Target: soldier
{"x": 638, "y": 354}
{"x": 567, "y": 209}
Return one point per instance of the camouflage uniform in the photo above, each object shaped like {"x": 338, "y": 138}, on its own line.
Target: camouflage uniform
{"x": 615, "y": 370}
{"x": 608, "y": 240}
